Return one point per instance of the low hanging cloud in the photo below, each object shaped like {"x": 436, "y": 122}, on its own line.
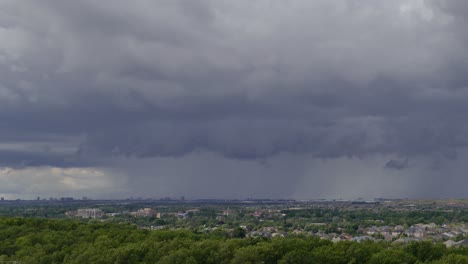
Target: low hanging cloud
{"x": 82, "y": 82}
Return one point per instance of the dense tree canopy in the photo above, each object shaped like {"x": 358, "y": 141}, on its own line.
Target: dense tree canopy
{"x": 68, "y": 241}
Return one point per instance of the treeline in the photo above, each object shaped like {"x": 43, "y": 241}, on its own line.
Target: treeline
{"x": 67, "y": 241}
{"x": 386, "y": 216}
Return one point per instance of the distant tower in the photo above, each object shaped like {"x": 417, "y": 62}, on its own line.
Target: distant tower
{"x": 182, "y": 198}
{"x": 2, "y": 199}
{"x": 38, "y": 198}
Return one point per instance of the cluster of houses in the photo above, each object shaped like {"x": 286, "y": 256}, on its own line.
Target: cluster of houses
{"x": 98, "y": 213}
{"x": 399, "y": 234}
{"x": 148, "y": 212}
{"x": 448, "y": 234}
{"x": 143, "y": 212}
{"x": 418, "y": 231}
{"x": 451, "y": 235}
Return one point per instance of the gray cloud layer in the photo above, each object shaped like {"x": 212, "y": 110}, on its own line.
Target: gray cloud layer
{"x": 84, "y": 80}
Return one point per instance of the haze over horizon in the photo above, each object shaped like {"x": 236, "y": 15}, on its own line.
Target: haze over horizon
{"x": 227, "y": 99}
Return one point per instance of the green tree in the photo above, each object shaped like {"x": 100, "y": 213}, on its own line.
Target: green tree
{"x": 392, "y": 256}
{"x": 238, "y": 232}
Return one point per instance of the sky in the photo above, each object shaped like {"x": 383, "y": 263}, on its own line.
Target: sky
{"x": 298, "y": 99}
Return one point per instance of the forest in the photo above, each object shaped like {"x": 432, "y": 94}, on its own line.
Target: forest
{"x": 30, "y": 240}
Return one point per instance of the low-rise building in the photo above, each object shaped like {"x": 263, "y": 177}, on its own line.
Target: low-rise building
{"x": 86, "y": 213}
{"x": 146, "y": 212}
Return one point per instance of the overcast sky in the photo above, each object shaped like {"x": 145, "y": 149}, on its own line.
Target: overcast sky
{"x": 234, "y": 99}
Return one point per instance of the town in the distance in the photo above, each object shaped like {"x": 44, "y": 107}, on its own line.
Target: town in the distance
{"x": 392, "y": 220}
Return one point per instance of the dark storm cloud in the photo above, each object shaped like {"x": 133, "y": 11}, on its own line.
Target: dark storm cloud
{"x": 247, "y": 80}
{"x": 397, "y": 164}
